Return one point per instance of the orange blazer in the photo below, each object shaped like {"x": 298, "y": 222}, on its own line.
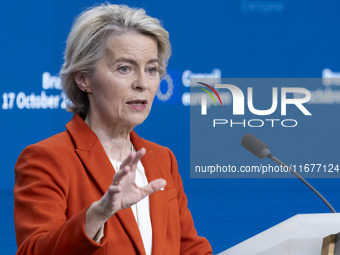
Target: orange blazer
{"x": 57, "y": 179}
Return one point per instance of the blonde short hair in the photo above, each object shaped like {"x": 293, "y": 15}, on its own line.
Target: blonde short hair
{"x": 87, "y": 43}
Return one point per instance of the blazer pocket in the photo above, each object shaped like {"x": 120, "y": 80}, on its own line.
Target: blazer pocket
{"x": 172, "y": 194}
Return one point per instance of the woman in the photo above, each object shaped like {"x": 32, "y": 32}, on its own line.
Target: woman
{"x": 98, "y": 188}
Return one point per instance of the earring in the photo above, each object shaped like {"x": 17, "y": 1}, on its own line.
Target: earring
{"x": 85, "y": 90}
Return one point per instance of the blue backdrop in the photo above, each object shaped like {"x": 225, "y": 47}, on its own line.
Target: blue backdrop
{"x": 235, "y": 38}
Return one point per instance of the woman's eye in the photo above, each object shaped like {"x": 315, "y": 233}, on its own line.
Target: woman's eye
{"x": 124, "y": 69}
{"x": 152, "y": 70}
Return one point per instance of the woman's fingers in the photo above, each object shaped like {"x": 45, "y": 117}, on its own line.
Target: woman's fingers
{"x": 139, "y": 155}
{"x": 133, "y": 158}
{"x": 129, "y": 164}
{"x": 113, "y": 190}
{"x": 153, "y": 186}
{"x": 128, "y": 160}
{"x": 118, "y": 177}
{"x": 124, "y": 192}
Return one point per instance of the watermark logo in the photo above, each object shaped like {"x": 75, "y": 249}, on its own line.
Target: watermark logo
{"x": 239, "y": 99}
{"x": 253, "y": 100}
{"x": 204, "y": 97}
{"x": 277, "y": 108}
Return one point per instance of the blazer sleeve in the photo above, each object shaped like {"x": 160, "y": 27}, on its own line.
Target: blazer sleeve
{"x": 191, "y": 243}
{"x": 40, "y": 206}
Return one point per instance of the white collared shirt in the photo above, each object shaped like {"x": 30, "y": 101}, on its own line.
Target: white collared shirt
{"x": 141, "y": 210}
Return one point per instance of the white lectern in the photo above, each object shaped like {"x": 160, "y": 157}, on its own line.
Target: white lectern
{"x": 300, "y": 235}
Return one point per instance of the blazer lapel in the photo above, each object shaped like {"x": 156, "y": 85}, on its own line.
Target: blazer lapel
{"x": 158, "y": 200}
{"x": 95, "y": 162}
{"x": 92, "y": 154}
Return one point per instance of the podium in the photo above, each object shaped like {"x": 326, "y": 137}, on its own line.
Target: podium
{"x": 301, "y": 234}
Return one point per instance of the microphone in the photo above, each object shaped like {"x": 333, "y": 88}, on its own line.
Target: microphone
{"x": 255, "y": 146}
{"x": 261, "y": 150}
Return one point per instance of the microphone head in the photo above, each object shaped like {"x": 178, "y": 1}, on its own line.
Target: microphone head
{"x": 255, "y": 146}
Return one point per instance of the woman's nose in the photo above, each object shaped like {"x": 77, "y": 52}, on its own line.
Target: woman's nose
{"x": 141, "y": 82}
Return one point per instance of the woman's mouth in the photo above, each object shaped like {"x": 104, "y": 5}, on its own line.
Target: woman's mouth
{"x": 137, "y": 105}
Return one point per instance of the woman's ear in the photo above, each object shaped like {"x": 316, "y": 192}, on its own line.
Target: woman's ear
{"x": 82, "y": 81}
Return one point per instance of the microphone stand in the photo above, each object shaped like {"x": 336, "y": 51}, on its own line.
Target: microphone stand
{"x": 303, "y": 180}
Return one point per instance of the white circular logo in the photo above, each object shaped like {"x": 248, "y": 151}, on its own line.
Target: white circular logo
{"x": 170, "y": 89}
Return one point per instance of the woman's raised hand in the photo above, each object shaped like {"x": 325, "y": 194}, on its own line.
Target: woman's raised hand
{"x": 122, "y": 193}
